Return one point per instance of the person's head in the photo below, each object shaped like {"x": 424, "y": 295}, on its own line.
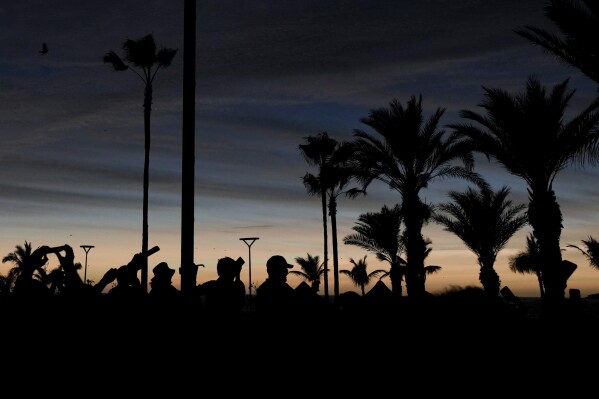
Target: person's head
{"x": 227, "y": 268}
{"x": 277, "y": 268}
{"x": 162, "y": 273}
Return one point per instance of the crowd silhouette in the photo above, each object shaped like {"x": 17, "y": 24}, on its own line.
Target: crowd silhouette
{"x": 224, "y": 299}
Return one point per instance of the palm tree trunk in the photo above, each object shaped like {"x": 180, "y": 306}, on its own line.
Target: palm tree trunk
{"x": 546, "y": 220}
{"x": 488, "y": 277}
{"x": 144, "y": 239}
{"x": 333, "y": 214}
{"x": 415, "y": 247}
{"x": 188, "y": 268}
{"x": 395, "y": 275}
{"x": 326, "y": 244}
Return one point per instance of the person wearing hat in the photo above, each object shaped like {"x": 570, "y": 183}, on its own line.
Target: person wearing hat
{"x": 274, "y": 297}
{"x": 162, "y": 289}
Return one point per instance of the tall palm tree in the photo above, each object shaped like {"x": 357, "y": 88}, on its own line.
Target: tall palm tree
{"x": 380, "y": 233}
{"x": 317, "y": 151}
{"x": 143, "y": 59}
{"x": 412, "y": 153}
{"x": 529, "y": 261}
{"x": 359, "y": 274}
{"x": 312, "y": 270}
{"x": 578, "y": 24}
{"x": 485, "y": 221}
{"x": 335, "y": 174}
{"x": 527, "y": 135}
{"x": 338, "y": 176}
{"x": 590, "y": 250}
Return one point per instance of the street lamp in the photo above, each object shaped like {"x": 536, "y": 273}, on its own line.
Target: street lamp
{"x": 249, "y": 241}
{"x": 86, "y": 248}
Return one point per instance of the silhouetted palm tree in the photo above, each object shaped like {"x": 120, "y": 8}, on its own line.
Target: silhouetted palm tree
{"x": 142, "y": 57}
{"x": 529, "y": 261}
{"x": 380, "y": 233}
{"x": 590, "y": 251}
{"x": 359, "y": 274}
{"x": 19, "y": 258}
{"x": 338, "y": 176}
{"x": 527, "y": 135}
{"x": 312, "y": 270}
{"x": 485, "y": 221}
{"x": 412, "y": 153}
{"x": 578, "y": 23}
{"x": 335, "y": 173}
{"x": 317, "y": 151}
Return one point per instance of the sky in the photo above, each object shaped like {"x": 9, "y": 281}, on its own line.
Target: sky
{"x": 269, "y": 74}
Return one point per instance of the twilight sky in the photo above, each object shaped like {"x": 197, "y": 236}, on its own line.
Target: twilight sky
{"x": 269, "y": 73}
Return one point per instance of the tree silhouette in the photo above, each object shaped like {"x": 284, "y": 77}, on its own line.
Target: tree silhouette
{"x": 142, "y": 57}
{"x": 485, "y": 221}
{"x": 527, "y": 135}
{"x": 19, "y": 258}
{"x": 529, "y": 261}
{"x": 317, "y": 151}
{"x": 312, "y": 270}
{"x": 359, "y": 274}
{"x": 380, "y": 233}
{"x": 590, "y": 250}
{"x": 412, "y": 153}
{"x": 578, "y": 24}
{"x": 338, "y": 175}
{"x": 334, "y": 175}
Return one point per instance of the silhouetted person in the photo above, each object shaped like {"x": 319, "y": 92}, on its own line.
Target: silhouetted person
{"x": 225, "y": 296}
{"x": 274, "y": 297}
{"x": 27, "y": 287}
{"x": 128, "y": 288}
{"x": 162, "y": 290}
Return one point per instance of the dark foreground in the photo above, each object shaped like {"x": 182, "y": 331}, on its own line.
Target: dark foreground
{"x": 371, "y": 351}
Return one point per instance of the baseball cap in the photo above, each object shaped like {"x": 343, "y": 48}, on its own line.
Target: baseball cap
{"x": 277, "y": 261}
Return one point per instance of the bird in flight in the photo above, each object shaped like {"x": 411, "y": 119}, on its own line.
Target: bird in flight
{"x": 44, "y": 49}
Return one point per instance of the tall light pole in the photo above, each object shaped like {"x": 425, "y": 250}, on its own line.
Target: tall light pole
{"x": 86, "y": 248}
{"x": 249, "y": 241}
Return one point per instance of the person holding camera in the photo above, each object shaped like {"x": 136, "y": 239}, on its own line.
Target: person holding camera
{"x": 224, "y": 296}
{"x": 128, "y": 287}
{"x": 27, "y": 286}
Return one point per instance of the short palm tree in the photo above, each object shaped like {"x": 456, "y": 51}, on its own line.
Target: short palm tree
{"x": 590, "y": 250}
{"x": 143, "y": 59}
{"x": 485, "y": 221}
{"x": 527, "y": 135}
{"x": 578, "y": 24}
{"x": 529, "y": 261}
{"x": 380, "y": 233}
{"x": 19, "y": 259}
{"x": 411, "y": 154}
{"x": 312, "y": 270}
{"x": 359, "y": 274}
